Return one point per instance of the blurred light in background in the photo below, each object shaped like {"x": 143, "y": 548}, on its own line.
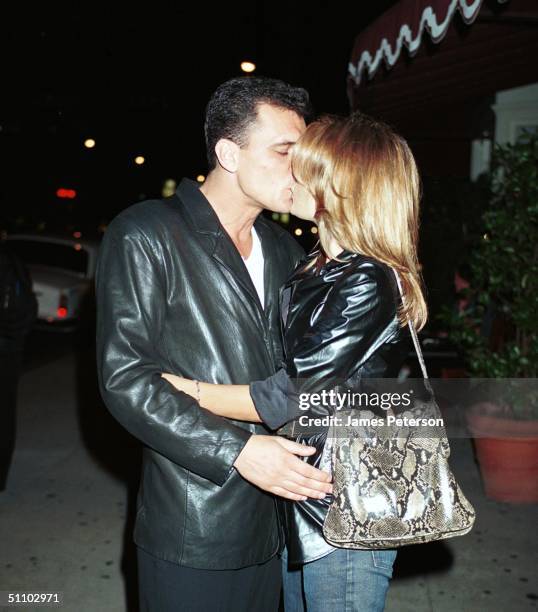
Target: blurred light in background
{"x": 169, "y": 188}
{"x": 314, "y": 229}
{"x": 248, "y": 66}
{"x": 284, "y": 218}
{"x": 139, "y": 160}
{"x": 89, "y": 143}
{"x": 70, "y": 194}
{"x": 200, "y": 178}
{"x": 77, "y": 234}
{"x": 298, "y": 232}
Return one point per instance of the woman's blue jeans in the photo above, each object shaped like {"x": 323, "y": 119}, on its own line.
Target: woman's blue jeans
{"x": 343, "y": 581}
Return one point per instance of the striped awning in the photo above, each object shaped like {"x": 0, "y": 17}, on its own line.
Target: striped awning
{"x": 403, "y": 26}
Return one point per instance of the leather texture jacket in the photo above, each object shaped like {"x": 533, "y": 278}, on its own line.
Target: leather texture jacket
{"x": 339, "y": 326}
{"x": 173, "y": 295}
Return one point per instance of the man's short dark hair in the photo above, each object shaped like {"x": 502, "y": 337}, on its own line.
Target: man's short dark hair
{"x": 233, "y": 108}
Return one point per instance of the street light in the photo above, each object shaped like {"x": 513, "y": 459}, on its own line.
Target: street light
{"x": 139, "y": 160}
{"x": 248, "y": 66}
{"x": 89, "y": 143}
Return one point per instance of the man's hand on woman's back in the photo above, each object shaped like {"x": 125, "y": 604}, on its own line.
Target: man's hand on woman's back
{"x": 271, "y": 463}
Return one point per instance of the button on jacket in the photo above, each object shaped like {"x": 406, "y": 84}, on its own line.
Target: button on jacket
{"x": 174, "y": 295}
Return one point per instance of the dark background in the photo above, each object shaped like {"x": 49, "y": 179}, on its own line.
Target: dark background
{"x": 136, "y": 79}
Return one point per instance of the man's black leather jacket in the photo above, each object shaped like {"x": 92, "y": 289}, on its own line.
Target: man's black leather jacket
{"x": 174, "y": 295}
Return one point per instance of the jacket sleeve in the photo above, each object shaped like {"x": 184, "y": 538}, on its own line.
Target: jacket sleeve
{"x": 347, "y": 331}
{"x": 131, "y": 306}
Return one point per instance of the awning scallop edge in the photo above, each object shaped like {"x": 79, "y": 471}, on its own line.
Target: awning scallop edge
{"x": 386, "y": 37}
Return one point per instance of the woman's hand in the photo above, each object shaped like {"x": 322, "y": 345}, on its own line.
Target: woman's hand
{"x": 181, "y": 384}
{"x": 231, "y": 401}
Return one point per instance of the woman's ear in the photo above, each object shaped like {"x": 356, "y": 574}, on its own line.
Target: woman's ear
{"x": 227, "y": 154}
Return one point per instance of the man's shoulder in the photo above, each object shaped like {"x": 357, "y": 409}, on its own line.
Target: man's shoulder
{"x": 144, "y": 217}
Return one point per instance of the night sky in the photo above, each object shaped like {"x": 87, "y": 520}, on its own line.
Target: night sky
{"x": 137, "y": 82}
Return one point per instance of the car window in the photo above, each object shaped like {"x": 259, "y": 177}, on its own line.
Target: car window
{"x": 50, "y": 254}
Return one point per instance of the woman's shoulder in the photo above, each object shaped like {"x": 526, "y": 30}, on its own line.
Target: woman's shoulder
{"x": 369, "y": 270}
{"x": 366, "y": 283}
{"x": 349, "y": 268}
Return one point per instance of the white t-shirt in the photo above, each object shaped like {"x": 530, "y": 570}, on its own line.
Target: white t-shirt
{"x": 254, "y": 264}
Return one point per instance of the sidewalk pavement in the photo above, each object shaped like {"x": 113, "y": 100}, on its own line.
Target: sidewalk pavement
{"x": 66, "y": 516}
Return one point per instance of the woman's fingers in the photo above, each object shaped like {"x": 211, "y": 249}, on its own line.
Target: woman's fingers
{"x": 181, "y": 384}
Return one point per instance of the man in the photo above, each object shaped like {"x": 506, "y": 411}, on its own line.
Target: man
{"x": 189, "y": 285}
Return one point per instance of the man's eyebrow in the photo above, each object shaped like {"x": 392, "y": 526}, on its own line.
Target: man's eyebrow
{"x": 284, "y": 143}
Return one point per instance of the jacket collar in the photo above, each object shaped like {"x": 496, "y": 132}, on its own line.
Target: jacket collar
{"x": 197, "y": 207}
{"x": 205, "y": 219}
{"x": 221, "y": 248}
{"x": 342, "y": 261}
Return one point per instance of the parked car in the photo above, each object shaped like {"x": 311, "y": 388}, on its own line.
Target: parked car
{"x": 62, "y": 271}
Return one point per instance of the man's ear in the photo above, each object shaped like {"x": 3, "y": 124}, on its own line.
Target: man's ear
{"x": 227, "y": 153}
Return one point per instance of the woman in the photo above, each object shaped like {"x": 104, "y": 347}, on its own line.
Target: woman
{"x": 343, "y": 321}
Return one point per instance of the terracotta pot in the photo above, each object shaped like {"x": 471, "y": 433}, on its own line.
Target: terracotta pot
{"x": 507, "y": 451}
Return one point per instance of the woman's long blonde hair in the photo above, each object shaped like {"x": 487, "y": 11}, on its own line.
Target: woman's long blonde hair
{"x": 367, "y": 190}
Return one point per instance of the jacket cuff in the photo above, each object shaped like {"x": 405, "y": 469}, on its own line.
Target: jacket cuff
{"x": 235, "y": 453}
{"x": 275, "y": 399}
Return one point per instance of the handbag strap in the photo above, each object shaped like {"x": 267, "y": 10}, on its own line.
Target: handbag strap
{"x": 412, "y": 329}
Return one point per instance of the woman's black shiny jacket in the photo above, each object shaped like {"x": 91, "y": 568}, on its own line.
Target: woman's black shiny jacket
{"x": 340, "y": 326}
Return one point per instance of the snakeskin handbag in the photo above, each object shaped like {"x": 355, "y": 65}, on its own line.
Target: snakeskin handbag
{"x": 392, "y": 484}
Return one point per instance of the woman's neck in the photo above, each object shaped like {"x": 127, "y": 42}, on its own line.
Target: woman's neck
{"x": 333, "y": 248}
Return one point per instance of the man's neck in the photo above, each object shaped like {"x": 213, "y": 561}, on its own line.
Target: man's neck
{"x": 234, "y": 212}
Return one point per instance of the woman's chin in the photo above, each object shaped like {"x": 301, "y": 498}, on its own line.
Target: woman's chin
{"x": 299, "y": 215}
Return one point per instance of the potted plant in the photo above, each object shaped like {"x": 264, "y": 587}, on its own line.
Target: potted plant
{"x": 496, "y": 329}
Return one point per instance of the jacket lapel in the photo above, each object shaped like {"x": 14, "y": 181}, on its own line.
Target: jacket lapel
{"x": 228, "y": 256}
{"x": 215, "y": 239}
{"x": 271, "y": 280}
